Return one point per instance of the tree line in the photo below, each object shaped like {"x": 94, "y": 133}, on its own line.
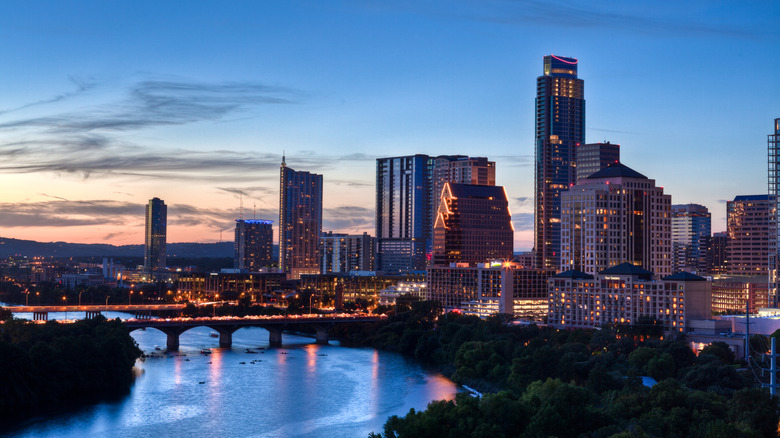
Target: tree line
{"x": 52, "y": 366}
{"x": 542, "y": 382}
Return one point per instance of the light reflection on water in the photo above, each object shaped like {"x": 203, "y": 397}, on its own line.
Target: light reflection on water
{"x": 300, "y": 390}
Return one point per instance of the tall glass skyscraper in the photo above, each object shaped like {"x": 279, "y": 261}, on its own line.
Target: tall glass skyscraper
{"x": 691, "y": 234}
{"x": 773, "y": 147}
{"x": 560, "y": 129}
{"x": 300, "y": 222}
{"x": 155, "y": 236}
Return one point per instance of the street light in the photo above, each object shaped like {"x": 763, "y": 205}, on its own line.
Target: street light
{"x": 38, "y": 294}
{"x": 80, "y": 297}
{"x": 107, "y": 303}
{"x": 26, "y": 297}
{"x": 310, "y": 297}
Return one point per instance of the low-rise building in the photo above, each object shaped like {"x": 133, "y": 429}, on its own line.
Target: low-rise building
{"x": 625, "y": 294}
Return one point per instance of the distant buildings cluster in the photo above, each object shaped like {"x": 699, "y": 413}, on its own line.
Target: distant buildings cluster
{"x": 609, "y": 244}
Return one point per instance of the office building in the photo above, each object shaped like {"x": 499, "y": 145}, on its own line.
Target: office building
{"x": 592, "y": 157}
{"x": 403, "y": 213}
{"x": 751, "y": 227}
{"x": 486, "y": 289}
{"x": 627, "y": 294}
{"x": 773, "y": 147}
{"x": 691, "y": 229}
{"x": 155, "y": 237}
{"x": 616, "y": 215}
{"x": 718, "y": 253}
{"x": 560, "y": 129}
{"x": 345, "y": 253}
{"x": 253, "y": 244}
{"x": 473, "y": 225}
{"x": 459, "y": 169}
{"x": 300, "y": 222}
{"x": 734, "y": 294}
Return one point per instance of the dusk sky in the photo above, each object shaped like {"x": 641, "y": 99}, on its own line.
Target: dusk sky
{"x": 106, "y": 104}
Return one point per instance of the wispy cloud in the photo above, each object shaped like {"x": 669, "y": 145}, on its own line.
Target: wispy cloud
{"x": 91, "y": 142}
{"x": 523, "y": 221}
{"x": 348, "y": 219}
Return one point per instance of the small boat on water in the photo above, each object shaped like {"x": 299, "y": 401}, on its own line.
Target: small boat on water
{"x": 214, "y": 334}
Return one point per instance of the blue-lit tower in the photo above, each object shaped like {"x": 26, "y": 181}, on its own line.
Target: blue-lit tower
{"x": 560, "y": 129}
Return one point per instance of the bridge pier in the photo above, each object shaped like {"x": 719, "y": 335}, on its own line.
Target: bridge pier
{"x": 40, "y": 316}
{"x": 274, "y": 336}
{"x": 172, "y": 343}
{"x": 92, "y": 314}
{"x": 321, "y": 333}
{"x": 143, "y": 314}
{"x": 225, "y": 334}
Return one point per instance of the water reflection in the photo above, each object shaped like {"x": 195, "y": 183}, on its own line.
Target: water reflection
{"x": 300, "y": 390}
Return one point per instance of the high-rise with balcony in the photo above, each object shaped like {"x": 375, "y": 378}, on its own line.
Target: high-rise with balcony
{"x": 691, "y": 228}
{"x": 614, "y": 216}
{"x": 560, "y": 129}
{"x": 300, "y": 222}
{"x": 253, "y": 244}
{"x": 155, "y": 237}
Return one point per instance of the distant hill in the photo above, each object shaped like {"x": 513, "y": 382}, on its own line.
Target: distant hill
{"x": 31, "y": 248}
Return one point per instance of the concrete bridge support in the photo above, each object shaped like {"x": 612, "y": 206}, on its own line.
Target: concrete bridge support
{"x": 173, "y": 333}
{"x": 40, "y": 316}
{"x": 321, "y": 333}
{"x": 274, "y": 335}
{"x": 92, "y": 313}
{"x": 225, "y": 334}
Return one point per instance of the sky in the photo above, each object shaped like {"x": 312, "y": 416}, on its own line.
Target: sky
{"x": 105, "y": 105}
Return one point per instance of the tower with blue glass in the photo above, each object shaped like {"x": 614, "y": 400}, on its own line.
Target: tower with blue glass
{"x": 560, "y": 129}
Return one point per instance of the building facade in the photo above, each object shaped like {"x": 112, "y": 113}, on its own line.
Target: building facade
{"x": 734, "y": 294}
{"x": 487, "y": 289}
{"x": 593, "y": 157}
{"x": 300, "y": 222}
{"x": 155, "y": 246}
{"x": 627, "y": 294}
{"x": 345, "y": 253}
{"x": 560, "y": 129}
{"x": 718, "y": 253}
{"x": 473, "y": 225}
{"x": 403, "y": 213}
{"x": 616, "y": 215}
{"x": 751, "y": 227}
{"x": 691, "y": 234}
{"x": 773, "y": 147}
{"x": 458, "y": 169}
{"x": 253, "y": 244}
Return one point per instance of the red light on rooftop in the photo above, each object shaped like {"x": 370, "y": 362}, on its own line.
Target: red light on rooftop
{"x": 563, "y": 60}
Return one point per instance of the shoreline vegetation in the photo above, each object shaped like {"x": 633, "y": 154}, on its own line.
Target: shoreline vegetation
{"x": 542, "y": 382}
{"x": 48, "y": 367}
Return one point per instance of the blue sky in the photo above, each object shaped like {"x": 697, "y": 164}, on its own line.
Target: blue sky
{"x": 108, "y": 104}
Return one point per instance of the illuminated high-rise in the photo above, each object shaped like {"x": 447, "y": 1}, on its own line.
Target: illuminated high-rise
{"x": 473, "y": 225}
{"x": 253, "y": 244}
{"x": 155, "y": 236}
{"x": 560, "y": 129}
{"x": 691, "y": 236}
{"x": 300, "y": 222}
{"x": 773, "y": 147}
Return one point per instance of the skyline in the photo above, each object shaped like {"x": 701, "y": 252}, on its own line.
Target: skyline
{"x": 108, "y": 106}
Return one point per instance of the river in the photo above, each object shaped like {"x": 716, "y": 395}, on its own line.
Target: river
{"x": 251, "y": 390}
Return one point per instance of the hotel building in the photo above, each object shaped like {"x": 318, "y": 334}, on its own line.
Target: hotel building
{"x": 253, "y": 244}
{"x": 300, "y": 222}
{"x": 616, "y": 215}
{"x": 624, "y": 294}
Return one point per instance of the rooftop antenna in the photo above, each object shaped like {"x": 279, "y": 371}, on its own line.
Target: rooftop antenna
{"x": 254, "y": 210}
{"x": 240, "y": 205}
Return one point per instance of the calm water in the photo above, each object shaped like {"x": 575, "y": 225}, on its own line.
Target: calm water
{"x": 299, "y": 390}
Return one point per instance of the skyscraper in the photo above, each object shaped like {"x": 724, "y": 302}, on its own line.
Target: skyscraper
{"x": 253, "y": 244}
{"x": 593, "y": 157}
{"x": 155, "y": 236}
{"x": 773, "y": 146}
{"x": 616, "y": 215}
{"x": 300, "y": 222}
{"x": 751, "y": 227}
{"x": 691, "y": 228}
{"x": 459, "y": 169}
{"x": 473, "y": 225}
{"x": 345, "y": 253}
{"x": 403, "y": 213}
{"x": 560, "y": 129}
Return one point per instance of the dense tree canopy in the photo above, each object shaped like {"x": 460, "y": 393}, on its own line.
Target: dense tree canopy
{"x": 542, "y": 382}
